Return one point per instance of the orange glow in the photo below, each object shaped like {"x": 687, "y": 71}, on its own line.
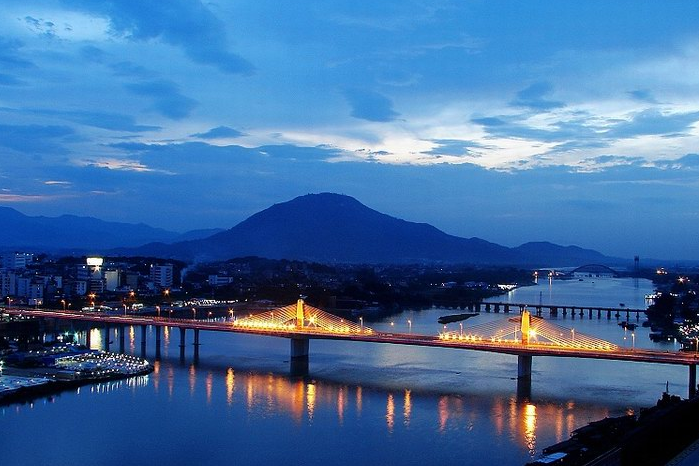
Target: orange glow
{"x": 390, "y": 412}
{"x": 192, "y": 378}
{"x": 407, "y": 407}
{"x": 209, "y": 387}
{"x": 310, "y": 399}
{"x": 230, "y": 385}
{"x": 299, "y": 316}
{"x": 359, "y": 400}
{"x": 530, "y": 427}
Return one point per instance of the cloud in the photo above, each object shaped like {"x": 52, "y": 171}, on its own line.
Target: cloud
{"x": 130, "y": 69}
{"x": 93, "y": 54}
{"x": 456, "y": 147}
{"x": 120, "y": 165}
{"x": 58, "y": 183}
{"x": 219, "y": 132}
{"x": 533, "y": 98}
{"x": 653, "y": 122}
{"x": 370, "y": 105}
{"x": 643, "y": 95}
{"x": 513, "y": 126}
{"x": 34, "y": 139}
{"x": 166, "y": 96}
{"x": 689, "y": 161}
{"x": 10, "y": 54}
{"x": 15, "y": 198}
{"x": 188, "y": 24}
{"x": 45, "y": 28}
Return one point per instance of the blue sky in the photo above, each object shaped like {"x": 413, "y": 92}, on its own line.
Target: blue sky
{"x": 571, "y": 122}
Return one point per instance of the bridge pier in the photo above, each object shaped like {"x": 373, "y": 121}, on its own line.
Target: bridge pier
{"x": 507, "y": 308}
{"x": 599, "y": 313}
{"x": 143, "y": 341}
{"x": 87, "y": 338}
{"x": 299, "y": 357}
{"x": 609, "y": 314}
{"x": 182, "y": 335}
{"x": 157, "y": 342}
{"x": 196, "y": 343}
{"x": 524, "y": 367}
{"x": 692, "y": 380}
{"x": 122, "y": 330}
{"x": 106, "y": 337}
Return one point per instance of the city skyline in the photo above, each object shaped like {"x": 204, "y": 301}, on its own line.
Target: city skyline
{"x": 573, "y": 124}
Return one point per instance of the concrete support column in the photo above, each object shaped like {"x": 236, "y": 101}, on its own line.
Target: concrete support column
{"x": 299, "y": 348}
{"x": 182, "y": 343}
{"x": 87, "y": 338}
{"x": 196, "y": 343}
{"x": 122, "y": 332}
{"x": 143, "y": 340}
{"x": 524, "y": 367}
{"x": 609, "y": 314}
{"x": 299, "y": 356}
{"x": 692, "y": 380}
{"x": 507, "y": 308}
{"x": 157, "y": 342}
{"x": 599, "y": 313}
{"x": 107, "y": 336}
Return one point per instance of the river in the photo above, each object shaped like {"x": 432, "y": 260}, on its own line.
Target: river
{"x": 361, "y": 403}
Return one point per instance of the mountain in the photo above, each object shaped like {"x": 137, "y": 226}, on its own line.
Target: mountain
{"x": 336, "y": 228}
{"x": 19, "y": 231}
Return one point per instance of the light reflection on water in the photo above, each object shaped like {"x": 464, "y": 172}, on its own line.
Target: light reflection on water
{"x": 361, "y": 403}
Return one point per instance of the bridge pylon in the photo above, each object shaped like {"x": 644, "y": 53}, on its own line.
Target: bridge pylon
{"x": 524, "y": 326}
{"x": 300, "y": 313}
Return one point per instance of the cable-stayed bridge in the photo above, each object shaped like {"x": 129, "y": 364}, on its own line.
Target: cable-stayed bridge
{"x": 524, "y": 336}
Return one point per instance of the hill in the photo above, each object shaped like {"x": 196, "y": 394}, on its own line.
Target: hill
{"x": 70, "y": 232}
{"x": 336, "y": 228}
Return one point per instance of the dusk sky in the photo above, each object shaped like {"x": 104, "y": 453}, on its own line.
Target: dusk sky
{"x": 512, "y": 121}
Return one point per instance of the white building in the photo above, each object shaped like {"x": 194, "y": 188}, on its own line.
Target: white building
{"x": 161, "y": 275}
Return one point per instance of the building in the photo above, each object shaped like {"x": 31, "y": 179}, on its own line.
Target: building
{"x": 16, "y": 260}
{"x": 8, "y": 284}
{"x": 161, "y": 275}
{"x": 112, "y": 279}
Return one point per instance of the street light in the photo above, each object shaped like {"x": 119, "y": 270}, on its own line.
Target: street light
{"x": 361, "y": 324}
{"x": 63, "y": 301}
{"x": 157, "y": 308}
{"x": 194, "y": 313}
{"x": 573, "y": 332}
{"x": 461, "y": 329}
{"x": 633, "y": 341}
{"x": 410, "y": 326}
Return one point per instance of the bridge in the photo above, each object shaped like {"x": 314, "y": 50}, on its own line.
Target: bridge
{"x": 555, "y": 309}
{"x": 524, "y": 336}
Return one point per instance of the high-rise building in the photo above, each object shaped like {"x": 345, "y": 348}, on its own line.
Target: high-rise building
{"x": 161, "y": 275}
{"x": 16, "y": 260}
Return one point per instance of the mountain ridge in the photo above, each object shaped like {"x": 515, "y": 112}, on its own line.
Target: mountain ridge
{"x": 328, "y": 227}
{"x": 323, "y": 227}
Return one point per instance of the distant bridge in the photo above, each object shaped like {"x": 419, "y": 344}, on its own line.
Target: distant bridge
{"x": 524, "y": 336}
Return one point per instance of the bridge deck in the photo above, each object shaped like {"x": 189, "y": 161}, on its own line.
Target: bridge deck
{"x": 506, "y": 347}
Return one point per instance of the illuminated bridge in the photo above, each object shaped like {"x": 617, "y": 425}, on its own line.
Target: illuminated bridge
{"x": 524, "y": 336}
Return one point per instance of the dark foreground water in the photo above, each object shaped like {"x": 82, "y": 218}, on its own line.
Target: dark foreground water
{"x": 361, "y": 403}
